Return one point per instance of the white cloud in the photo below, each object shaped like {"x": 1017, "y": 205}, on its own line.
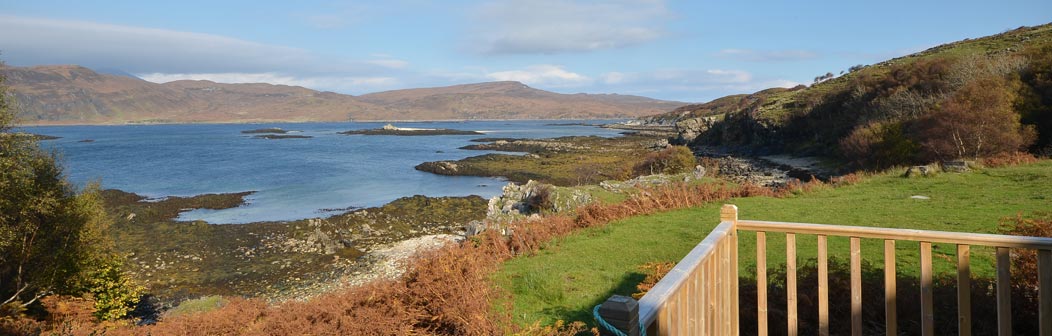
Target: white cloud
{"x": 161, "y": 55}
{"x": 390, "y": 63}
{"x": 767, "y": 55}
{"x": 544, "y": 74}
{"x": 137, "y": 49}
{"x": 558, "y": 26}
{"x": 613, "y": 77}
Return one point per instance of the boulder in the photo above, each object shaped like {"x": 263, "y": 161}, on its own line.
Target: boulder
{"x": 474, "y": 227}
{"x": 919, "y": 171}
{"x": 956, "y": 166}
{"x": 699, "y": 172}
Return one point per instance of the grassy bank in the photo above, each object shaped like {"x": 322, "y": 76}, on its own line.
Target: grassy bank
{"x": 565, "y": 280}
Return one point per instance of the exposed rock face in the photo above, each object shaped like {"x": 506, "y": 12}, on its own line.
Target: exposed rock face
{"x": 689, "y": 129}
{"x": 512, "y": 204}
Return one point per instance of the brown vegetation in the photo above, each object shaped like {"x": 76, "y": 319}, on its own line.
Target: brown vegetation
{"x": 446, "y": 292}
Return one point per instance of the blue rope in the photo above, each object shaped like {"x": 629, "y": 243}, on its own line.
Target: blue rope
{"x": 611, "y": 328}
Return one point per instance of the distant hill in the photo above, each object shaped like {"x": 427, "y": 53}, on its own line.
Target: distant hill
{"x": 70, "y": 94}
{"x": 885, "y": 114}
{"x": 512, "y": 100}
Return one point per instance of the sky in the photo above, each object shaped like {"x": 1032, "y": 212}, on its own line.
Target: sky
{"x": 690, "y": 51}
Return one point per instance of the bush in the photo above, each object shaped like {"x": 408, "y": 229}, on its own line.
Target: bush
{"x": 671, "y": 160}
{"x": 1009, "y": 159}
{"x": 540, "y": 198}
{"x": 878, "y": 145}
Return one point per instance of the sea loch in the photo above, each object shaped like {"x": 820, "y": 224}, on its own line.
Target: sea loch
{"x": 292, "y": 178}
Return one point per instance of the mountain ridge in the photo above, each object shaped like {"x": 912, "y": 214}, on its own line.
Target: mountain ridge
{"x": 73, "y": 94}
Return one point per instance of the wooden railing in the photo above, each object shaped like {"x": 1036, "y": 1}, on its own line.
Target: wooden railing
{"x": 700, "y": 295}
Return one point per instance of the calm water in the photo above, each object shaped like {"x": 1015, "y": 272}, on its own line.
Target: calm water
{"x": 293, "y": 178}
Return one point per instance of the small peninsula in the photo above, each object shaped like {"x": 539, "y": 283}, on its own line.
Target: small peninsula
{"x": 404, "y": 131}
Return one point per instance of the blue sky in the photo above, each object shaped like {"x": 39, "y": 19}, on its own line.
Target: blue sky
{"x": 690, "y": 51}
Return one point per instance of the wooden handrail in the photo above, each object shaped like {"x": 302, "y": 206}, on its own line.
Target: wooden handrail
{"x": 700, "y": 294}
{"x": 651, "y": 303}
{"x": 1035, "y": 243}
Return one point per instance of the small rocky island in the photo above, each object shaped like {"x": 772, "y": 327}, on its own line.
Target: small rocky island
{"x": 274, "y": 133}
{"x": 393, "y": 130}
{"x": 281, "y": 136}
{"x": 272, "y": 130}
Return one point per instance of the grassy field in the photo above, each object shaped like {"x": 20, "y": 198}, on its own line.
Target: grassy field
{"x": 566, "y": 279}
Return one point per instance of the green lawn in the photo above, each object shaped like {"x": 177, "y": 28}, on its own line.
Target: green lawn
{"x": 565, "y": 280}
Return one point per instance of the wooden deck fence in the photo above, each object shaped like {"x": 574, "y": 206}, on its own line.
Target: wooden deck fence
{"x": 700, "y": 295}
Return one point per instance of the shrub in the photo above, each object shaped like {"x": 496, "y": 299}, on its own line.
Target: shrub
{"x": 878, "y": 145}
{"x": 540, "y": 198}
{"x": 1024, "y": 261}
{"x": 1009, "y": 159}
{"x": 671, "y": 160}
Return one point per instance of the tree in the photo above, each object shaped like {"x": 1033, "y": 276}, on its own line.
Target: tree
{"x": 976, "y": 121}
{"x": 53, "y": 239}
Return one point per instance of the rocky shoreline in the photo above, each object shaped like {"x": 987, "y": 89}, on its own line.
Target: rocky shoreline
{"x": 277, "y": 260}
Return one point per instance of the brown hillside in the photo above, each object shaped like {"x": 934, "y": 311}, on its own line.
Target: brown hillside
{"x": 70, "y": 94}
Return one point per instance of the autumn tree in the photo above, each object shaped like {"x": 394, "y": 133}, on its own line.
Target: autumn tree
{"x": 976, "y": 121}
{"x": 54, "y": 239}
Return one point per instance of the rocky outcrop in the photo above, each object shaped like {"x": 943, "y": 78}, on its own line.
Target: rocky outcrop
{"x": 689, "y": 129}
{"x": 512, "y": 204}
{"x": 439, "y": 167}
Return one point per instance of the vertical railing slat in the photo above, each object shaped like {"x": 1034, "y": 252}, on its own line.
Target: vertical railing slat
{"x": 823, "y": 286}
{"x": 891, "y": 317}
{"x": 725, "y": 263}
{"x": 711, "y": 288}
{"x": 684, "y": 307}
{"x": 1044, "y": 279}
{"x": 729, "y": 212}
{"x": 790, "y": 283}
{"x": 719, "y": 289}
{"x": 663, "y": 319}
{"x": 761, "y": 283}
{"x": 702, "y": 296}
{"x": 696, "y": 292}
{"x": 927, "y": 314}
{"x": 964, "y": 291}
{"x": 856, "y": 286}
{"x": 1004, "y": 292}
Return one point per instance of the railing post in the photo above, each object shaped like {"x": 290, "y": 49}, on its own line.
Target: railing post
{"x": 729, "y": 213}
{"x": 621, "y": 312}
